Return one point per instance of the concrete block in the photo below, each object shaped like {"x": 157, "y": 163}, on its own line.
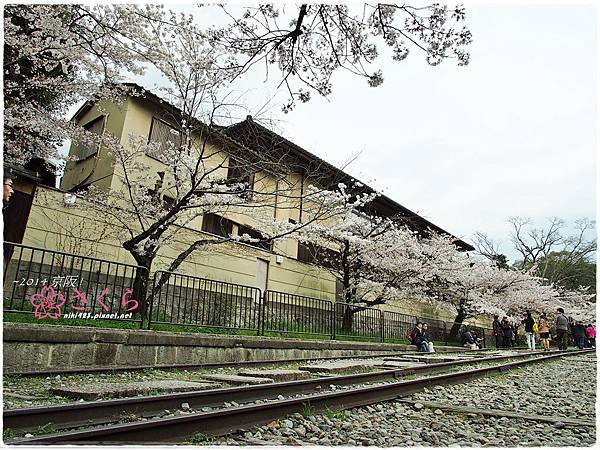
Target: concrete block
{"x": 100, "y": 390}
{"x": 276, "y": 375}
{"x": 146, "y": 355}
{"x": 198, "y": 355}
{"x": 214, "y": 355}
{"x": 166, "y": 355}
{"x": 184, "y": 355}
{"x": 106, "y": 354}
{"x": 237, "y": 379}
{"x": 28, "y": 355}
{"x": 129, "y": 355}
{"x": 82, "y": 355}
{"x": 356, "y": 365}
{"x": 112, "y": 336}
{"x": 60, "y": 356}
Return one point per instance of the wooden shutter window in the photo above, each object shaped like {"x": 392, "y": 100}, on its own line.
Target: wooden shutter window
{"x": 164, "y": 134}
{"x": 87, "y": 149}
{"x": 215, "y": 224}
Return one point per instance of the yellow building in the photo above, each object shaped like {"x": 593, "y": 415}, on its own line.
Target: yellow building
{"x": 65, "y": 223}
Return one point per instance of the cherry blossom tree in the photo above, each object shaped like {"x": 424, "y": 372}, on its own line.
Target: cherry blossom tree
{"x": 56, "y": 56}
{"x": 203, "y": 172}
{"x": 307, "y": 44}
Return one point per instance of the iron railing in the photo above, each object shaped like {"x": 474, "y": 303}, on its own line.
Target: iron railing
{"x": 50, "y": 284}
{"x": 291, "y": 313}
{"x": 178, "y": 299}
{"x": 351, "y": 320}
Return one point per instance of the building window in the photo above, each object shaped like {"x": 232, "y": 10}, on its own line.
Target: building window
{"x": 87, "y": 149}
{"x": 264, "y": 245}
{"x": 166, "y": 136}
{"x": 167, "y": 202}
{"x": 215, "y": 224}
{"x": 315, "y": 254}
{"x": 239, "y": 173}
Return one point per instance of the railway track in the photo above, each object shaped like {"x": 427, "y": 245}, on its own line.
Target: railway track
{"x": 226, "y": 420}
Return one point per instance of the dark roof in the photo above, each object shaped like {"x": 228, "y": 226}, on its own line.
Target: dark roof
{"x": 254, "y": 135}
{"x": 35, "y": 170}
{"x": 254, "y": 138}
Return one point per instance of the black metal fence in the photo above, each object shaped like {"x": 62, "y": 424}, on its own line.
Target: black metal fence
{"x": 357, "y": 321}
{"x": 290, "y": 313}
{"x": 52, "y": 284}
{"x": 178, "y": 299}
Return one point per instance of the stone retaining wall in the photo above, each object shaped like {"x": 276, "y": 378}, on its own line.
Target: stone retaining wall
{"x": 46, "y": 347}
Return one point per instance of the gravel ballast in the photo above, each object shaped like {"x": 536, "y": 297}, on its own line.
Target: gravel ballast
{"x": 564, "y": 387}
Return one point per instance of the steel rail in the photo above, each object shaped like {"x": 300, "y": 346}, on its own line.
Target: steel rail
{"x": 233, "y": 419}
{"x": 103, "y": 411}
{"x": 93, "y": 413}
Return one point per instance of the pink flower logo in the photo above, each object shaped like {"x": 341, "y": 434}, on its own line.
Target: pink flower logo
{"x": 47, "y": 303}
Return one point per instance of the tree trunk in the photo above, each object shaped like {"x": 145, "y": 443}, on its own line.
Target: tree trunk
{"x": 454, "y": 331}
{"x": 347, "y": 320}
{"x": 140, "y": 285}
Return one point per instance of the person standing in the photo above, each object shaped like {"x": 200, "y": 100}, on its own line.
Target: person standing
{"x": 544, "y": 330}
{"x": 514, "y": 334}
{"x": 562, "y": 329}
{"x": 506, "y": 332}
{"x": 497, "y": 330}
{"x": 529, "y": 335}
{"x": 591, "y": 334}
{"x": 579, "y": 335}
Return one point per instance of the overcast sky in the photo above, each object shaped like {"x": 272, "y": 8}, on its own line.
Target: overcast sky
{"x": 511, "y": 134}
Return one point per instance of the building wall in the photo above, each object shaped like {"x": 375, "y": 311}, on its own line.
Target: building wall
{"x": 96, "y": 169}
{"x": 79, "y": 230}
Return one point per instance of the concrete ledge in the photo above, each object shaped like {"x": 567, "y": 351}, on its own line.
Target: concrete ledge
{"x": 67, "y": 334}
{"x": 30, "y": 347}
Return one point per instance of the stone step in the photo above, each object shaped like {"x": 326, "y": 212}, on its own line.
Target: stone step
{"x": 429, "y": 359}
{"x": 237, "y": 379}
{"x": 276, "y": 374}
{"x": 401, "y": 364}
{"x": 100, "y": 390}
{"x": 342, "y": 366}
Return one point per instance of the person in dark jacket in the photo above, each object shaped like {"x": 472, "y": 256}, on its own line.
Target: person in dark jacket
{"x": 469, "y": 340}
{"x": 562, "y": 329}
{"x": 579, "y": 335}
{"x": 497, "y": 329}
{"x": 425, "y": 336}
{"x": 417, "y": 338}
{"x": 506, "y": 332}
{"x": 529, "y": 336}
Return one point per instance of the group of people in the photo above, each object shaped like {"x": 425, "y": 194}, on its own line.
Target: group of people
{"x": 420, "y": 337}
{"x": 506, "y": 332}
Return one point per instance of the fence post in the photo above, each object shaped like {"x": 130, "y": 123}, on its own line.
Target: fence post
{"x": 333, "y": 320}
{"x": 150, "y": 307}
{"x": 483, "y": 342}
{"x": 262, "y": 299}
{"x": 382, "y": 326}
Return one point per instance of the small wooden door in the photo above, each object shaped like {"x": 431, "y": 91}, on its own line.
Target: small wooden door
{"x": 262, "y": 274}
